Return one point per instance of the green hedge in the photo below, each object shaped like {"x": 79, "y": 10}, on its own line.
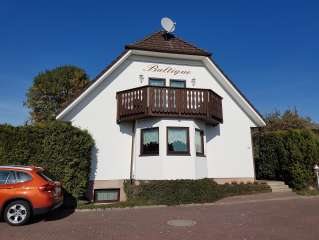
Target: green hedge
{"x": 287, "y": 156}
{"x": 174, "y": 192}
{"x": 65, "y": 151}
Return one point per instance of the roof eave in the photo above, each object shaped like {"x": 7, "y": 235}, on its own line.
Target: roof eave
{"x": 130, "y": 47}
{"x": 256, "y": 116}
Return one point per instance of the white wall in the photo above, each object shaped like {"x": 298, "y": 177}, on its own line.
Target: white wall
{"x": 228, "y": 146}
{"x": 166, "y": 166}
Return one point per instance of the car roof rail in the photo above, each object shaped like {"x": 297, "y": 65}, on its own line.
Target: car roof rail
{"x": 23, "y": 167}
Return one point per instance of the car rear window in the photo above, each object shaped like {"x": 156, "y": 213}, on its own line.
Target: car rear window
{"x": 46, "y": 176}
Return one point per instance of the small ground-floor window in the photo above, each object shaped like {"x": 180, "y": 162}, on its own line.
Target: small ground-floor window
{"x": 177, "y": 141}
{"x": 199, "y": 142}
{"x": 106, "y": 195}
{"x": 149, "y": 141}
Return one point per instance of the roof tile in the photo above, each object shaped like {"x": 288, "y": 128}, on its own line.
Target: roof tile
{"x": 166, "y": 42}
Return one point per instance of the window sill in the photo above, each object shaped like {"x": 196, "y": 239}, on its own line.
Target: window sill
{"x": 178, "y": 154}
{"x": 106, "y": 201}
{"x": 148, "y": 155}
{"x": 200, "y": 155}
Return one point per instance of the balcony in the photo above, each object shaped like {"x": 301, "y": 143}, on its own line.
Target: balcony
{"x": 153, "y": 101}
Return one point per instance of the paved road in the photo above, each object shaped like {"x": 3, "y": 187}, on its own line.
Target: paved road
{"x": 258, "y": 217}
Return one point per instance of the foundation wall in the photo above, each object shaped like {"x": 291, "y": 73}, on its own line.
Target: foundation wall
{"x": 119, "y": 184}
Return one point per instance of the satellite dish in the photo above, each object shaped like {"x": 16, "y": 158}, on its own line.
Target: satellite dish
{"x": 168, "y": 24}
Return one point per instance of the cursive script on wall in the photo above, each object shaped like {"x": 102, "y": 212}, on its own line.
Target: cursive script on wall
{"x": 168, "y": 70}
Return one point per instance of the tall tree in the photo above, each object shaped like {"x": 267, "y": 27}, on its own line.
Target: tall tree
{"x": 53, "y": 89}
{"x": 290, "y": 119}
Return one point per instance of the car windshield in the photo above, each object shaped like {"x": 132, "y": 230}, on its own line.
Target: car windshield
{"x": 46, "y": 176}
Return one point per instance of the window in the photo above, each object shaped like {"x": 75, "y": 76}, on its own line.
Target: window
{"x": 157, "y": 82}
{"x": 177, "y": 141}
{"x": 149, "y": 141}
{"x": 106, "y": 195}
{"x": 23, "y": 177}
{"x": 46, "y": 176}
{"x": 7, "y": 177}
{"x": 177, "y": 83}
{"x": 199, "y": 142}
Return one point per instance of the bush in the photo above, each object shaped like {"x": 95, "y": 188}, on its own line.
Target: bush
{"x": 174, "y": 192}
{"x": 299, "y": 176}
{"x": 286, "y": 156}
{"x": 65, "y": 151}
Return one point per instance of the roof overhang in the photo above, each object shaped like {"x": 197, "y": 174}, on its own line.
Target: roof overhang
{"x": 224, "y": 81}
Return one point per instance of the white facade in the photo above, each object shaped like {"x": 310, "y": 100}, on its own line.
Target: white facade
{"x": 227, "y": 146}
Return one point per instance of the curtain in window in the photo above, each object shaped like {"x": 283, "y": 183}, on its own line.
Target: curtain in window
{"x": 150, "y": 136}
{"x": 150, "y": 143}
{"x": 177, "y": 140}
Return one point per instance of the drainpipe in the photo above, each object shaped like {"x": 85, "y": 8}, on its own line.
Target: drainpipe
{"x": 132, "y": 152}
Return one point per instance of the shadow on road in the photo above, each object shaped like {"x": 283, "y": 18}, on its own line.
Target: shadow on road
{"x": 67, "y": 209}
{"x": 54, "y": 215}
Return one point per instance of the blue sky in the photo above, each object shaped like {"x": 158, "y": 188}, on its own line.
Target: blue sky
{"x": 270, "y": 49}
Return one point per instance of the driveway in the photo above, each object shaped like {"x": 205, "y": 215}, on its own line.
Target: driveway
{"x": 259, "y": 217}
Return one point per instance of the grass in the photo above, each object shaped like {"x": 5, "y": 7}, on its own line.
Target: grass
{"x": 129, "y": 203}
{"x": 308, "y": 192}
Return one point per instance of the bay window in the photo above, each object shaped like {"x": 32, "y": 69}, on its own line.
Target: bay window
{"x": 199, "y": 142}
{"x": 149, "y": 141}
{"x": 177, "y": 141}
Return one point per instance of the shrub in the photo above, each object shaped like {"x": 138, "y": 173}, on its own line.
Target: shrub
{"x": 173, "y": 192}
{"x": 287, "y": 156}
{"x": 299, "y": 176}
{"x": 65, "y": 151}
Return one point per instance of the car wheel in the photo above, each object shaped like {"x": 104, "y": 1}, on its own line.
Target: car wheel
{"x": 17, "y": 213}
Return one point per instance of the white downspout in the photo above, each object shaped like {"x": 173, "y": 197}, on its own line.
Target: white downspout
{"x": 132, "y": 153}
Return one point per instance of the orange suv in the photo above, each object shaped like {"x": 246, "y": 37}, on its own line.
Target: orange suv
{"x": 26, "y": 191}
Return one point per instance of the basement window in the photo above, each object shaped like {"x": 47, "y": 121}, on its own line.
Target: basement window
{"x": 107, "y": 195}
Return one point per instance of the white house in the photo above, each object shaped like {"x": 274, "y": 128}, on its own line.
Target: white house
{"x": 164, "y": 110}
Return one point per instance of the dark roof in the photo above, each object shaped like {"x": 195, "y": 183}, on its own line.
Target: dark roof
{"x": 165, "y": 42}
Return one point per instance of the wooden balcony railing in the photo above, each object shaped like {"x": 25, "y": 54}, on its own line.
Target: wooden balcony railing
{"x": 152, "y": 101}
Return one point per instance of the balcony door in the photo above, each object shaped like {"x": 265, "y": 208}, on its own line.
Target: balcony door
{"x": 159, "y": 82}
{"x": 177, "y": 83}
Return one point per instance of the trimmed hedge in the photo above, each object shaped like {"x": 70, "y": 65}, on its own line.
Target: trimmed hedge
{"x": 287, "y": 156}
{"x": 174, "y": 192}
{"x": 65, "y": 151}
